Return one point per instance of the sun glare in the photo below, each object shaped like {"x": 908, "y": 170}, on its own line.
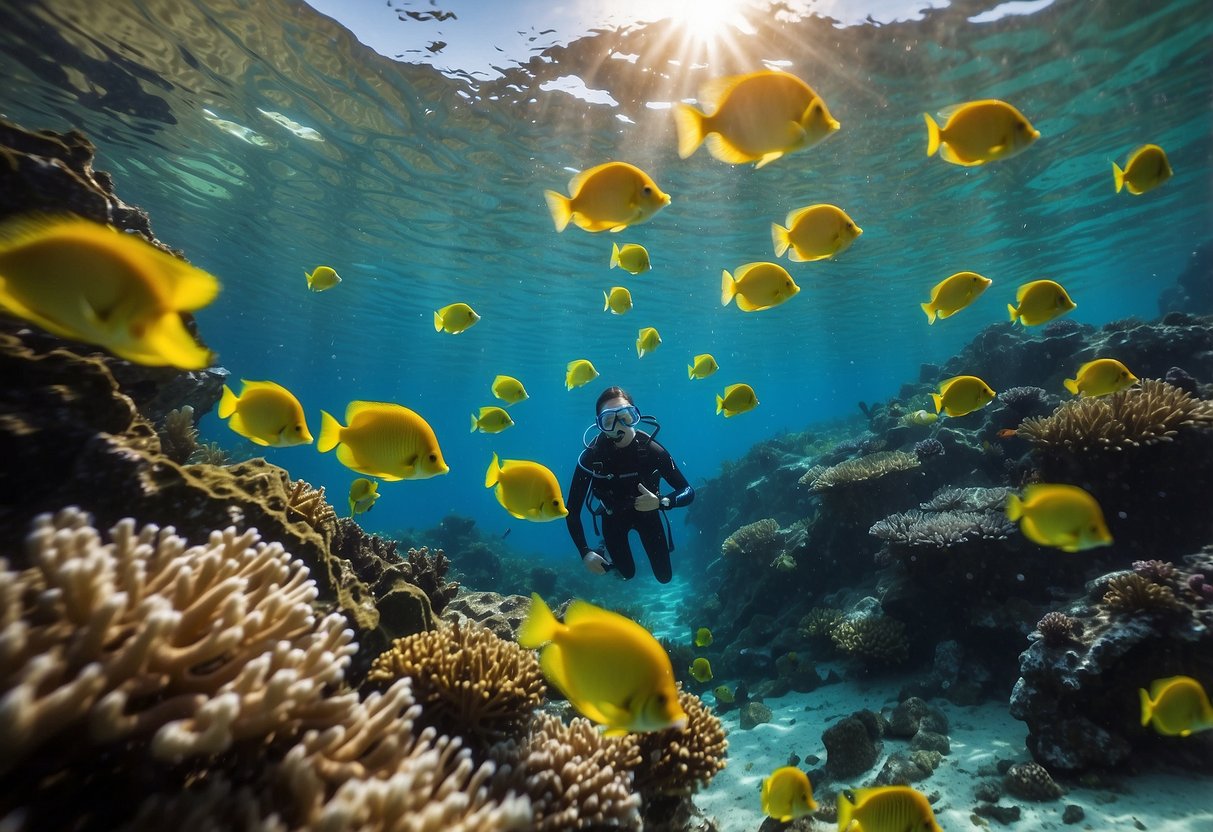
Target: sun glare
{"x": 701, "y": 20}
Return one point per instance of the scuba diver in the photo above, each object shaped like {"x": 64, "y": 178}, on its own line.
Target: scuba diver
{"x": 622, "y": 468}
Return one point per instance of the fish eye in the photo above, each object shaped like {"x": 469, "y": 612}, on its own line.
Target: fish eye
{"x": 298, "y": 428}
{"x": 555, "y": 504}
{"x": 433, "y": 457}
{"x": 647, "y": 190}
{"x": 661, "y": 699}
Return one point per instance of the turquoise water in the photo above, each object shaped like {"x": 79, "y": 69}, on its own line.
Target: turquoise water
{"x": 423, "y": 189}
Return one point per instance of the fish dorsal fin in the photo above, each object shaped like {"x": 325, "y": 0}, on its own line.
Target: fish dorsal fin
{"x": 952, "y": 109}
{"x": 262, "y": 385}
{"x": 1159, "y": 685}
{"x": 1088, "y": 366}
{"x": 578, "y": 181}
{"x": 799, "y": 214}
{"x": 580, "y": 611}
{"x": 943, "y": 387}
{"x": 357, "y": 407}
{"x": 712, "y": 93}
{"x": 188, "y": 288}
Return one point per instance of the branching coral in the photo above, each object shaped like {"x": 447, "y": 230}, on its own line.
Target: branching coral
{"x": 310, "y": 504}
{"x": 876, "y": 639}
{"x": 861, "y": 469}
{"x": 1057, "y": 628}
{"x": 1131, "y": 594}
{"x": 1158, "y": 571}
{"x": 942, "y": 528}
{"x": 427, "y": 569}
{"x": 819, "y": 622}
{"x": 178, "y": 435}
{"x": 674, "y": 762}
{"x": 967, "y": 499}
{"x": 758, "y": 538}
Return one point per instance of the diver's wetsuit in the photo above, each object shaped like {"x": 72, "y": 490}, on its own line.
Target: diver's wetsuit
{"x": 615, "y": 478}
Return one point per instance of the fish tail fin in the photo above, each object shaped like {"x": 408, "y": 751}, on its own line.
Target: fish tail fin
{"x": 938, "y": 399}
{"x": 690, "y": 372}
{"x": 614, "y": 255}
{"x": 475, "y": 424}
{"x": 689, "y": 123}
{"x": 780, "y": 238}
{"x": 490, "y": 476}
{"x": 639, "y": 349}
{"x": 606, "y": 301}
{"x": 540, "y": 624}
{"x": 310, "y": 279}
{"x": 930, "y": 310}
{"x": 561, "y": 208}
{"x": 719, "y": 403}
{"x": 227, "y": 403}
{"x": 437, "y": 322}
{"x": 1118, "y": 176}
{"x": 728, "y": 287}
{"x": 932, "y": 135}
{"x": 1013, "y": 312}
{"x": 330, "y": 433}
{"x": 1147, "y": 707}
{"x": 1014, "y": 508}
{"x": 1071, "y": 385}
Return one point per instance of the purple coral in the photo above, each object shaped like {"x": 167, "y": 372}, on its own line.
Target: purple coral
{"x": 1200, "y": 587}
{"x": 1158, "y": 571}
{"x": 928, "y": 448}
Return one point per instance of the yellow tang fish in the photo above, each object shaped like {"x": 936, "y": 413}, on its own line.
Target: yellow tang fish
{"x": 608, "y": 197}
{"x": 816, "y": 232}
{"x": 701, "y": 670}
{"x": 724, "y": 695}
{"x": 322, "y": 279}
{"x": 383, "y": 440}
{"x": 509, "y": 390}
{"x": 363, "y": 494}
{"x": 979, "y": 132}
{"x": 953, "y": 294}
{"x": 632, "y": 258}
{"x": 702, "y": 366}
{"x": 787, "y": 795}
{"x": 703, "y": 637}
{"x": 527, "y": 490}
{"x": 265, "y": 413}
{"x": 1039, "y": 302}
{"x": 455, "y": 318}
{"x": 961, "y": 395}
{"x": 619, "y": 301}
{"x": 646, "y": 341}
{"x": 1062, "y": 516}
{"x": 737, "y": 398}
{"x": 757, "y": 286}
{"x": 609, "y": 667}
{"x": 1178, "y": 707}
{"x": 755, "y": 118}
{"x": 1146, "y": 169}
{"x": 491, "y": 420}
{"x": 886, "y": 809}
{"x": 919, "y": 418}
{"x": 91, "y": 283}
{"x": 579, "y": 372}
{"x": 1100, "y": 377}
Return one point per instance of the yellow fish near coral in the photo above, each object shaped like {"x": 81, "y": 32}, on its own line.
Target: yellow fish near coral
{"x": 979, "y": 132}
{"x": 632, "y": 258}
{"x": 953, "y": 294}
{"x": 787, "y": 795}
{"x": 383, "y": 440}
{"x": 1062, "y": 516}
{"x": 757, "y": 286}
{"x": 1040, "y": 302}
{"x": 491, "y": 420}
{"x": 579, "y": 372}
{"x": 455, "y": 318}
{"x": 1178, "y": 707}
{"x": 265, "y": 413}
{"x": 724, "y": 695}
{"x": 321, "y": 279}
{"x": 961, "y": 395}
{"x": 737, "y": 398}
{"x": 703, "y": 637}
{"x": 816, "y": 232}
{"x": 1100, "y": 377}
{"x": 91, "y": 283}
{"x": 701, "y": 670}
{"x": 609, "y": 667}
{"x": 527, "y": 490}
{"x": 608, "y": 197}
{"x": 363, "y": 494}
{"x": 702, "y": 366}
{"x": 886, "y": 809}
{"x": 647, "y": 340}
{"x": 618, "y": 301}
{"x": 509, "y": 390}
{"x": 919, "y": 418}
{"x": 758, "y": 117}
{"x": 1146, "y": 169}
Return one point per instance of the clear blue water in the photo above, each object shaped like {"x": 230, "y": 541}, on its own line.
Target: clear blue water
{"x": 427, "y": 189}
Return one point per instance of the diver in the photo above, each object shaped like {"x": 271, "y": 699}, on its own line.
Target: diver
{"x": 621, "y": 469}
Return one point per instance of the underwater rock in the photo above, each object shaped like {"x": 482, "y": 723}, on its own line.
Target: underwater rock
{"x": 852, "y": 745}
{"x": 754, "y": 713}
{"x": 1073, "y": 814}
{"x": 1002, "y": 814}
{"x": 900, "y": 769}
{"x": 1031, "y": 781}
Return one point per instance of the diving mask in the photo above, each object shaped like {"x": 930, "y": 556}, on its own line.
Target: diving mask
{"x": 613, "y": 417}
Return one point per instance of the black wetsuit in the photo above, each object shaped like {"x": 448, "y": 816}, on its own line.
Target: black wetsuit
{"x": 617, "y": 473}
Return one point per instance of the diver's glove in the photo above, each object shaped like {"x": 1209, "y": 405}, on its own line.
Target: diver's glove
{"x": 594, "y": 562}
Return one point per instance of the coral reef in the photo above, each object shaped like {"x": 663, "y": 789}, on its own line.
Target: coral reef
{"x": 310, "y": 504}
{"x": 680, "y": 763}
{"x": 179, "y": 435}
{"x": 1057, "y": 628}
{"x": 1132, "y": 594}
{"x": 859, "y": 470}
{"x": 503, "y": 614}
{"x": 755, "y": 539}
{"x": 942, "y": 529}
{"x": 820, "y": 622}
{"x": 877, "y": 640}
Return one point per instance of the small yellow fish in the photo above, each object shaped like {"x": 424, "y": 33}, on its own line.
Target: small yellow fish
{"x": 646, "y": 341}
{"x": 758, "y": 286}
{"x": 757, "y": 117}
{"x": 266, "y": 413}
{"x": 609, "y": 197}
{"x": 363, "y": 494}
{"x": 609, "y": 667}
{"x": 724, "y": 695}
{"x": 979, "y": 132}
{"x": 92, "y": 283}
{"x": 527, "y": 490}
{"x": 816, "y": 232}
{"x": 1146, "y": 169}
{"x": 787, "y": 795}
{"x": 509, "y": 390}
{"x": 632, "y": 258}
{"x": 701, "y": 670}
{"x": 455, "y": 318}
{"x": 1178, "y": 707}
{"x": 322, "y": 279}
{"x": 1100, "y": 377}
{"x": 737, "y": 398}
{"x": 919, "y": 418}
{"x": 579, "y": 372}
{"x": 886, "y": 809}
{"x": 1039, "y": 302}
{"x": 618, "y": 301}
{"x": 1062, "y": 516}
{"x": 953, "y": 294}
{"x": 961, "y": 395}
{"x": 491, "y": 420}
{"x": 702, "y": 366}
{"x": 383, "y": 440}
{"x": 703, "y": 637}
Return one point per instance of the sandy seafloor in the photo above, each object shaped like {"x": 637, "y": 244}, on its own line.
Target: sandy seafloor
{"x": 980, "y": 736}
